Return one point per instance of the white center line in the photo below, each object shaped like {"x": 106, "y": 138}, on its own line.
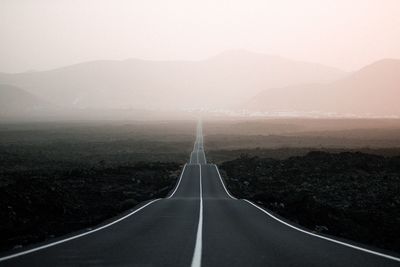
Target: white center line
{"x": 196, "y": 260}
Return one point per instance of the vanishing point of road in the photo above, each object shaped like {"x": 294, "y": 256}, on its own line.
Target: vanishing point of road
{"x": 198, "y": 224}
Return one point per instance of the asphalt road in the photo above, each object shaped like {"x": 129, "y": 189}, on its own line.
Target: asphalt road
{"x": 198, "y": 224}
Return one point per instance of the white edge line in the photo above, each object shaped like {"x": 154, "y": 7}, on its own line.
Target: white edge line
{"x": 226, "y": 190}
{"x": 76, "y": 236}
{"x": 179, "y": 182}
{"x": 196, "y": 260}
{"x": 105, "y": 226}
{"x": 325, "y": 238}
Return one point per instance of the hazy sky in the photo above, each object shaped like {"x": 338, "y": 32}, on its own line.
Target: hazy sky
{"x": 43, "y": 34}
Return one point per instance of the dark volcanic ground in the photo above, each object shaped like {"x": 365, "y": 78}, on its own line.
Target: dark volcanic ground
{"x": 351, "y": 195}
{"x": 34, "y": 207}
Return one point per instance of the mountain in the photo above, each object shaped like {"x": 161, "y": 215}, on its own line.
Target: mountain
{"x": 16, "y": 102}
{"x": 372, "y": 91}
{"x": 220, "y": 81}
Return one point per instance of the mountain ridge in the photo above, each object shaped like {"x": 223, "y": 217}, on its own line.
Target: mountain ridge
{"x": 179, "y": 85}
{"x": 372, "y": 90}
{"x": 15, "y": 101}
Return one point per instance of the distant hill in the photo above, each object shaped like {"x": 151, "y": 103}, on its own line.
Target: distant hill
{"x": 221, "y": 81}
{"x": 17, "y": 102}
{"x": 372, "y": 91}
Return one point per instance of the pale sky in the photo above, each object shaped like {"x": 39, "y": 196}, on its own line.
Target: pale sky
{"x": 45, "y": 34}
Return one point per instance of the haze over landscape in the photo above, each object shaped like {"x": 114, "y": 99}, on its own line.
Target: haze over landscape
{"x": 196, "y": 56}
{"x": 200, "y": 133}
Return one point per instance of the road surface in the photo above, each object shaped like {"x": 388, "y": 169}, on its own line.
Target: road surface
{"x": 198, "y": 224}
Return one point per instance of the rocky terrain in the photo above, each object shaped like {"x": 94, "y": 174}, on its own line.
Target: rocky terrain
{"x": 56, "y": 178}
{"x": 349, "y": 194}
{"x": 34, "y": 207}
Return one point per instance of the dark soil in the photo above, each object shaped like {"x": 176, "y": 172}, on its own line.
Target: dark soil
{"x": 350, "y": 194}
{"x": 35, "y": 207}
{"x": 56, "y": 178}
